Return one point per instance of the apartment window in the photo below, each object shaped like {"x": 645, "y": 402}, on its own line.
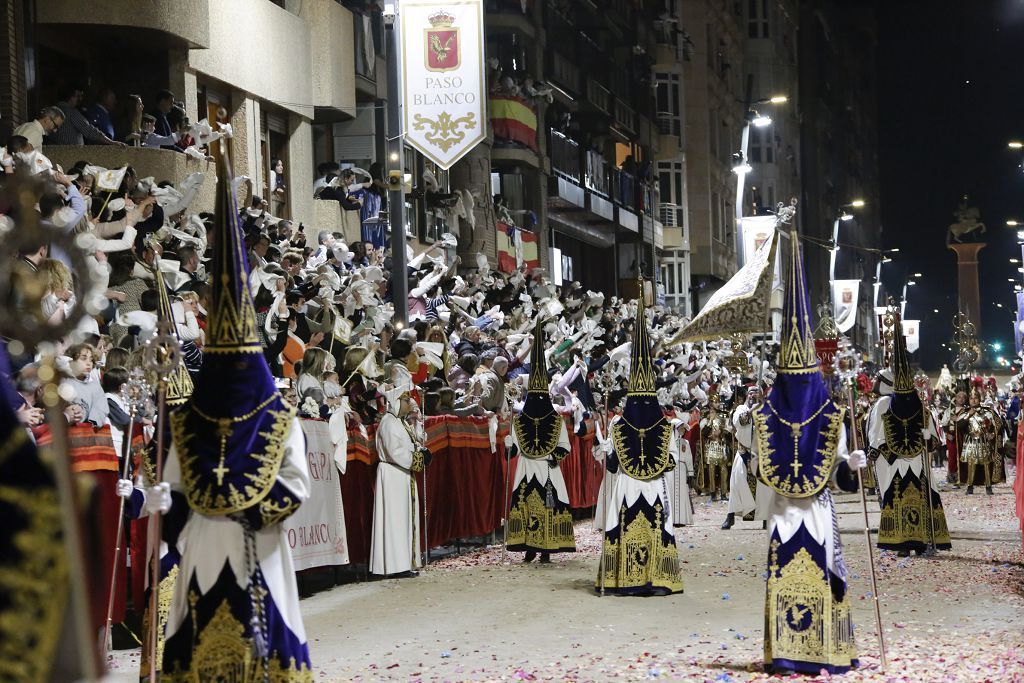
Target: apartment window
{"x": 667, "y": 93}
{"x": 757, "y": 18}
{"x": 761, "y": 148}
{"x": 716, "y": 217}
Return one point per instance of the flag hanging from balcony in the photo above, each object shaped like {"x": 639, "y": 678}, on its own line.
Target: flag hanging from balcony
{"x": 443, "y": 84}
{"x": 742, "y": 304}
{"x": 514, "y": 119}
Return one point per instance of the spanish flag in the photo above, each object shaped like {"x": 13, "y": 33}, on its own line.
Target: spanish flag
{"x": 512, "y": 118}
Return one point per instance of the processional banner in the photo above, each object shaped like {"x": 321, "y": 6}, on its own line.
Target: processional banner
{"x": 443, "y": 83}
{"x": 742, "y": 305}
{"x": 844, "y": 303}
{"x": 316, "y": 533}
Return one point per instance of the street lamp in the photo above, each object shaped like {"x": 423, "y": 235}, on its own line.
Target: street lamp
{"x": 844, "y": 215}
{"x": 740, "y": 166}
{"x": 1015, "y": 144}
{"x": 903, "y": 303}
{"x": 1011, "y": 223}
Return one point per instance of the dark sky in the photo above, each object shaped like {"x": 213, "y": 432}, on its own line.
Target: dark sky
{"x": 950, "y": 97}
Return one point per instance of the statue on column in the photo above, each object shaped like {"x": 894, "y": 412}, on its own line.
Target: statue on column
{"x": 968, "y": 224}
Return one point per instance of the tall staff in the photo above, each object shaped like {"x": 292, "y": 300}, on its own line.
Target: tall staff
{"x": 161, "y": 355}
{"x": 135, "y": 395}
{"x": 847, "y": 364}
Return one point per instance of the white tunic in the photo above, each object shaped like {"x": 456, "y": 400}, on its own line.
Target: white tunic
{"x": 624, "y": 490}
{"x": 540, "y": 471}
{"x": 675, "y": 480}
{"x": 741, "y": 500}
{"x": 884, "y": 472}
{"x": 206, "y": 542}
{"x": 786, "y": 514}
{"x": 395, "y": 544}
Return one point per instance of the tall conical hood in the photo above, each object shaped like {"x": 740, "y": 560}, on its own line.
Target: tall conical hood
{"x": 903, "y": 378}
{"x": 538, "y": 361}
{"x": 179, "y": 382}
{"x": 641, "y": 368}
{"x": 232, "y": 327}
{"x": 230, "y": 434}
{"x": 796, "y": 354}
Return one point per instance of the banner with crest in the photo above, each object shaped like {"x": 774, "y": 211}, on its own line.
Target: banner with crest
{"x": 844, "y": 303}
{"x": 742, "y": 304}
{"x": 443, "y": 84}
{"x": 912, "y": 332}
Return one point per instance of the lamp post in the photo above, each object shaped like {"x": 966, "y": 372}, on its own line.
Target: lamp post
{"x": 843, "y": 215}
{"x": 903, "y": 299}
{"x": 741, "y": 166}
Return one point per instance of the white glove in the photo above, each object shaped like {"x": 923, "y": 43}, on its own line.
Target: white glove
{"x": 125, "y": 488}
{"x": 858, "y": 460}
{"x": 158, "y": 498}
{"x": 508, "y": 441}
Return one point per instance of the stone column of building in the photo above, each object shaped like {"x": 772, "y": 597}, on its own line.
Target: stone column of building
{"x": 967, "y": 280}
{"x": 13, "y": 96}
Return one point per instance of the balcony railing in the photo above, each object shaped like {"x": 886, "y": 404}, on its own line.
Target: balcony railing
{"x": 671, "y": 215}
{"x": 622, "y": 188}
{"x": 668, "y": 123}
{"x": 597, "y": 173}
{"x": 625, "y": 115}
{"x": 599, "y": 96}
{"x": 564, "y": 73}
{"x": 565, "y": 156}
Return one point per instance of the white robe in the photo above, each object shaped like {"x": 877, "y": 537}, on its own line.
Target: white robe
{"x": 741, "y": 500}
{"x": 675, "y": 480}
{"x": 395, "y": 544}
{"x": 205, "y": 543}
{"x": 814, "y": 512}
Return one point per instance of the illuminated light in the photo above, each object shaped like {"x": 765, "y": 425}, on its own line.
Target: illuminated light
{"x": 845, "y": 216}
{"x": 742, "y": 168}
{"x": 910, "y": 283}
{"x": 935, "y": 310}
{"x": 1012, "y": 223}
{"x": 1015, "y": 260}
{"x": 917, "y": 274}
{"x": 999, "y": 305}
{"x": 858, "y": 203}
{"x": 996, "y": 346}
{"x": 778, "y": 99}
{"x": 761, "y": 121}
{"x": 1015, "y": 144}
{"x": 394, "y": 156}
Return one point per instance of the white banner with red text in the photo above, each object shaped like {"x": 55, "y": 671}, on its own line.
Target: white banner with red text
{"x": 316, "y": 533}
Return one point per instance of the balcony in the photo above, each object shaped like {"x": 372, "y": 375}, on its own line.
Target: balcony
{"x": 599, "y": 97}
{"x": 565, "y": 168}
{"x": 669, "y": 144}
{"x": 180, "y": 23}
{"x": 625, "y": 116}
{"x": 160, "y": 164}
{"x": 564, "y": 73}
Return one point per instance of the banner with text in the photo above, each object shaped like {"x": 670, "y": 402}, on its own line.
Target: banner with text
{"x": 912, "y": 331}
{"x": 844, "y": 302}
{"x": 316, "y": 533}
{"x": 443, "y": 83}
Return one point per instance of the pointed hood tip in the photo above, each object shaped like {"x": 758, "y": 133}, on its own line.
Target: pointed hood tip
{"x": 538, "y": 361}
{"x": 641, "y": 369}
{"x": 796, "y": 351}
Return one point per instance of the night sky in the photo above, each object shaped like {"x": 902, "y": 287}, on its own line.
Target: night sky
{"x": 950, "y": 98}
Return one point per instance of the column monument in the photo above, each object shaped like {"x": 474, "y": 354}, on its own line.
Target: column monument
{"x": 964, "y": 238}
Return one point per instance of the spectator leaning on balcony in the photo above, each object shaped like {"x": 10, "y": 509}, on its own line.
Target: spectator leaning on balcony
{"x": 164, "y": 103}
{"x": 77, "y": 128}
{"x": 150, "y": 138}
{"x": 130, "y": 121}
{"x": 46, "y": 123}
{"x": 102, "y": 111}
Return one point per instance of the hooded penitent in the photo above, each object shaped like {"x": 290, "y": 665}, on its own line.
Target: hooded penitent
{"x": 903, "y": 422}
{"x": 33, "y": 558}
{"x": 642, "y": 437}
{"x": 230, "y": 434}
{"x": 798, "y": 426}
{"x": 538, "y": 426}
